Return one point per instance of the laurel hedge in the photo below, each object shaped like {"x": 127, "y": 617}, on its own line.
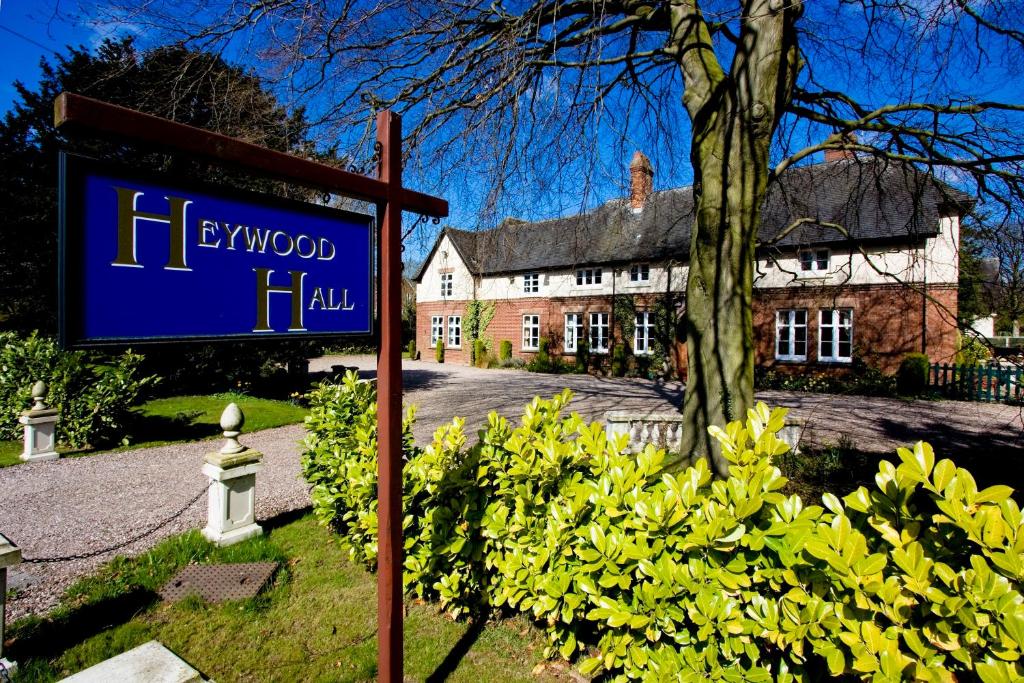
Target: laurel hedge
{"x": 93, "y": 392}
{"x": 637, "y": 573}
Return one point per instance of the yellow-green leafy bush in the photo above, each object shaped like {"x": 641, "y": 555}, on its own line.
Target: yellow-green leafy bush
{"x": 642, "y": 574}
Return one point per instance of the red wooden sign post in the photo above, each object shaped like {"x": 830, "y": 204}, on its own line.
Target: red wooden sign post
{"x": 74, "y": 112}
{"x": 389, "y": 408}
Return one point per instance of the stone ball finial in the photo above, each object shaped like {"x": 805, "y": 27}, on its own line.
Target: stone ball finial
{"x": 231, "y": 421}
{"x": 39, "y": 395}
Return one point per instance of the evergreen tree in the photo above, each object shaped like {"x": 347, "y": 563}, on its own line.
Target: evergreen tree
{"x": 186, "y": 86}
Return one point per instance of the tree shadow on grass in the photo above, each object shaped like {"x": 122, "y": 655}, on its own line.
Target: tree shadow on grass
{"x": 47, "y": 638}
{"x": 451, "y": 661}
{"x": 181, "y": 427}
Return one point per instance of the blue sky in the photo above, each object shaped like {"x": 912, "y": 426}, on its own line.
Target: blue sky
{"x": 33, "y": 29}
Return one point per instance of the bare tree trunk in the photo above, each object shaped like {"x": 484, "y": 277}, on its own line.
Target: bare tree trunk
{"x": 731, "y": 177}
{"x": 734, "y": 117}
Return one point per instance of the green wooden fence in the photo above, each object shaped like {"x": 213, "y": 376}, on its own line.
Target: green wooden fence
{"x": 990, "y": 383}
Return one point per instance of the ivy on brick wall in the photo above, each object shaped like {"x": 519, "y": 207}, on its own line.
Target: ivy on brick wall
{"x": 666, "y": 314}
{"x": 475, "y": 321}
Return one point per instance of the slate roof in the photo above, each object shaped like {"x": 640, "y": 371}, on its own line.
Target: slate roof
{"x": 875, "y": 200}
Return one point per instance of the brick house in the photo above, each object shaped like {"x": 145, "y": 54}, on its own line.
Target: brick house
{"x": 858, "y": 260}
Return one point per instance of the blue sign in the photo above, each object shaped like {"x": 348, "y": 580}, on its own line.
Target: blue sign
{"x": 154, "y": 259}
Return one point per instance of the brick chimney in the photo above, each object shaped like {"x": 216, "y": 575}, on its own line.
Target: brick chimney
{"x": 842, "y": 139}
{"x": 641, "y": 181}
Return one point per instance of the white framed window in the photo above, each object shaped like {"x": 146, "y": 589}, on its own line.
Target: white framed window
{"x": 599, "y": 332}
{"x": 643, "y": 332}
{"x": 791, "y": 334}
{"x": 573, "y": 331}
{"x": 455, "y": 331}
{"x": 531, "y": 332}
{"x": 531, "y": 283}
{"x": 436, "y": 329}
{"x": 640, "y": 272}
{"x": 814, "y": 260}
{"x": 588, "y": 277}
{"x": 835, "y": 335}
{"x": 447, "y": 284}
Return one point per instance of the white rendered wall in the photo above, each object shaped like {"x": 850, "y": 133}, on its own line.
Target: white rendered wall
{"x": 943, "y": 253}
{"x": 562, "y": 284}
{"x": 936, "y": 262}
{"x": 445, "y": 258}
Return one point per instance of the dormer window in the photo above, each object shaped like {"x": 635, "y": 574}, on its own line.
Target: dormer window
{"x": 639, "y": 273}
{"x": 588, "y": 277}
{"x": 814, "y": 260}
{"x": 447, "y": 284}
{"x": 531, "y": 283}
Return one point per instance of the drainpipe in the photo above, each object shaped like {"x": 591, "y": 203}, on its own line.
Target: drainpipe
{"x": 924, "y": 302}
{"x": 611, "y": 323}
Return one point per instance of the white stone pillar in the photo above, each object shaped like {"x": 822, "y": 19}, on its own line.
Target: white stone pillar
{"x": 40, "y": 427}
{"x": 232, "y": 493}
{"x": 10, "y": 555}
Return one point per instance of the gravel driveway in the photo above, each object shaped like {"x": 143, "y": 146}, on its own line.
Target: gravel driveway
{"x": 873, "y": 425}
{"x": 76, "y": 505}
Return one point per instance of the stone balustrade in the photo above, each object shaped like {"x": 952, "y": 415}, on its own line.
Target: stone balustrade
{"x": 665, "y": 430}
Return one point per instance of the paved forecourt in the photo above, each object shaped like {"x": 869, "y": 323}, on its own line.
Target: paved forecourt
{"x": 873, "y": 425}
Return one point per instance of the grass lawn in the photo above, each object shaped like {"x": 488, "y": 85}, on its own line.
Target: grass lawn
{"x": 186, "y": 418}
{"x": 9, "y": 452}
{"x": 316, "y": 622}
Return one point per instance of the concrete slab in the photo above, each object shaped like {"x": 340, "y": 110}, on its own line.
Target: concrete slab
{"x": 19, "y": 580}
{"x": 148, "y": 663}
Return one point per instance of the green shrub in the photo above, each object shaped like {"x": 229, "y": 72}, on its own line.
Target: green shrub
{"x": 912, "y": 376}
{"x": 542, "y": 361}
{"x": 94, "y": 393}
{"x": 862, "y": 379}
{"x": 543, "y": 354}
{"x": 479, "y": 353}
{"x": 505, "y": 351}
{"x": 641, "y": 573}
{"x": 582, "y": 356}
{"x": 340, "y": 461}
{"x": 256, "y": 365}
{"x": 439, "y": 351}
{"x": 619, "y": 360}
{"x": 971, "y": 350}
{"x": 411, "y": 349}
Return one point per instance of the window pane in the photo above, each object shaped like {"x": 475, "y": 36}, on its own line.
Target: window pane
{"x": 845, "y": 347}
{"x": 570, "y": 331}
{"x": 826, "y": 340}
{"x": 455, "y": 331}
{"x": 806, "y": 260}
{"x": 823, "y": 259}
{"x": 800, "y": 340}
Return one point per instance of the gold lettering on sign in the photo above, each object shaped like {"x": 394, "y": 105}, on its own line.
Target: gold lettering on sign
{"x": 128, "y": 217}
{"x": 263, "y": 292}
{"x": 327, "y": 302}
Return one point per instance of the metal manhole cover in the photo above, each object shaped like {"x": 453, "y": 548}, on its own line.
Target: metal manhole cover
{"x": 219, "y": 582}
